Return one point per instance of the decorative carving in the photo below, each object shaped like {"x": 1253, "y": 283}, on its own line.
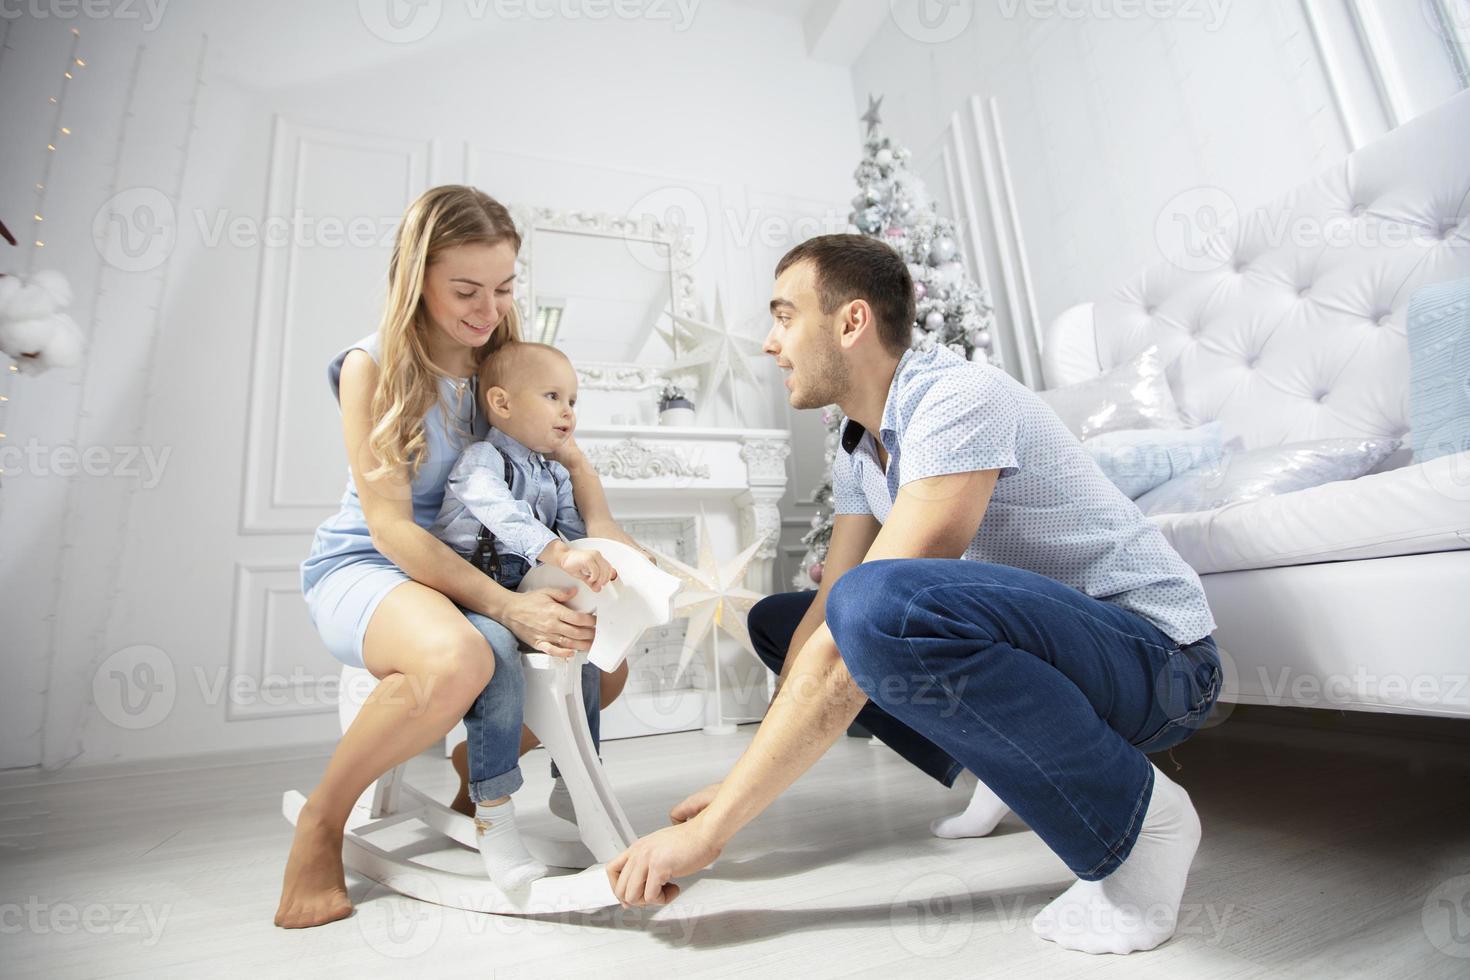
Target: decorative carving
{"x": 619, "y": 377}
{"x": 765, "y": 459}
{"x": 634, "y": 460}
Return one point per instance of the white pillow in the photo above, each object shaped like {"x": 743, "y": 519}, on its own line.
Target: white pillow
{"x": 1133, "y": 395}
{"x": 1264, "y": 472}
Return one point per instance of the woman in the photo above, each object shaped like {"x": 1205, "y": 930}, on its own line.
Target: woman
{"x": 384, "y": 593}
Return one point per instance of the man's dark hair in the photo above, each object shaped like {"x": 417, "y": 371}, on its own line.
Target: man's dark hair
{"x": 850, "y": 267}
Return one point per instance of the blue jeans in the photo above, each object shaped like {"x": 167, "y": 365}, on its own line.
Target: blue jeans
{"x": 493, "y": 723}
{"x": 1049, "y": 696}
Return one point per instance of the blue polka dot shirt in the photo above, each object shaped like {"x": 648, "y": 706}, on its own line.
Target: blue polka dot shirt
{"x": 1052, "y": 512}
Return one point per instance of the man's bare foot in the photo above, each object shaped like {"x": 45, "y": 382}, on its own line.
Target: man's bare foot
{"x": 460, "y": 757}
{"x": 315, "y": 890}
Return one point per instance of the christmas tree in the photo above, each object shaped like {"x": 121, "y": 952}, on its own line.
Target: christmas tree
{"x": 893, "y": 206}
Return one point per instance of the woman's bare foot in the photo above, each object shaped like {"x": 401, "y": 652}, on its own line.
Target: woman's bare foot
{"x": 460, "y": 758}
{"x": 315, "y": 890}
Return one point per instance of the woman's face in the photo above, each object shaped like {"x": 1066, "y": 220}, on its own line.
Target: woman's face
{"x": 467, "y": 291}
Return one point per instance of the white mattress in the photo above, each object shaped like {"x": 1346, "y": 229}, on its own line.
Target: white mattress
{"x": 1407, "y": 511}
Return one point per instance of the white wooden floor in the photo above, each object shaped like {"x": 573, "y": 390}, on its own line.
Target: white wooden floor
{"x": 1316, "y": 861}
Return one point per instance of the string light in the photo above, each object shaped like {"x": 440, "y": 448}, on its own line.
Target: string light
{"x": 55, "y": 100}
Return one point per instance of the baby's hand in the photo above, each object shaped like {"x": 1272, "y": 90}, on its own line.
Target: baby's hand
{"x": 589, "y": 567}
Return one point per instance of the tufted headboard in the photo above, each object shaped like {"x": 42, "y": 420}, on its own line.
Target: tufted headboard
{"x": 1290, "y": 324}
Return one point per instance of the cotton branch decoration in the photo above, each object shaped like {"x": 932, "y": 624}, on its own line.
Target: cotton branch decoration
{"x": 34, "y": 332}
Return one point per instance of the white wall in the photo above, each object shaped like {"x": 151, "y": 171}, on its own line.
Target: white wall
{"x": 214, "y": 351}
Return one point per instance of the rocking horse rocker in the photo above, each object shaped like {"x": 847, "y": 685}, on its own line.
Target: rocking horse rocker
{"x": 642, "y": 597}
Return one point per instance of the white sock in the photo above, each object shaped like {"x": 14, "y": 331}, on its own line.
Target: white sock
{"x": 507, "y": 862}
{"x": 1135, "y": 907}
{"x": 977, "y": 820}
{"x": 560, "y": 801}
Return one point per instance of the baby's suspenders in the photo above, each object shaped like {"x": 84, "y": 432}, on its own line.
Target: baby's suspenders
{"x": 486, "y": 556}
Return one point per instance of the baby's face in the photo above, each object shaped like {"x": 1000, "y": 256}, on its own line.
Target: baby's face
{"x": 542, "y": 402}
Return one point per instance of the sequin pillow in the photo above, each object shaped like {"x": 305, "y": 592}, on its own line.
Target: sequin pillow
{"x": 1133, "y": 395}
{"x": 1265, "y": 472}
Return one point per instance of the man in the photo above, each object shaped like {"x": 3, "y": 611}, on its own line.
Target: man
{"x": 989, "y": 602}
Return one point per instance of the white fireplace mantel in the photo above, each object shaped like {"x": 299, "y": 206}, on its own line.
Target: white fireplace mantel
{"x": 670, "y": 471}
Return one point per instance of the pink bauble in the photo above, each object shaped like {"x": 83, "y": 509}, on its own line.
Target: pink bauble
{"x": 815, "y": 572}
{"x": 893, "y": 231}
{"x": 920, "y": 290}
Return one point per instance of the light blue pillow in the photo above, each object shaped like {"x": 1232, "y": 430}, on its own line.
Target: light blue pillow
{"x": 1265, "y": 472}
{"x": 1137, "y": 460}
{"x": 1439, "y": 370}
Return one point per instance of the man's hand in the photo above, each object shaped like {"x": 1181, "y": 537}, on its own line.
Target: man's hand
{"x": 694, "y": 805}
{"x": 644, "y": 873}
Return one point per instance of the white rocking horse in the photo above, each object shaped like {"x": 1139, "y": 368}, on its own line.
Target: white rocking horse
{"x": 642, "y": 597}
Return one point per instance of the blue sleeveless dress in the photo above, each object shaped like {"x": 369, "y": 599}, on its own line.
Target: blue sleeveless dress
{"x": 344, "y": 577}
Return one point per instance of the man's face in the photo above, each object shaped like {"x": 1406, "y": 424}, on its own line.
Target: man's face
{"x": 803, "y": 340}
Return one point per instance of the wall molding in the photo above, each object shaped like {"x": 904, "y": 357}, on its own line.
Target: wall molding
{"x": 272, "y": 694}
{"x": 263, "y": 511}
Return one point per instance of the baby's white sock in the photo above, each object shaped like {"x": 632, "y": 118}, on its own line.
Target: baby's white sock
{"x": 977, "y": 820}
{"x": 1136, "y": 907}
{"x": 560, "y": 801}
{"x": 507, "y": 862}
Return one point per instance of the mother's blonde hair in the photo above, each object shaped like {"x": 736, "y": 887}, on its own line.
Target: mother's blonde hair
{"x": 441, "y": 218}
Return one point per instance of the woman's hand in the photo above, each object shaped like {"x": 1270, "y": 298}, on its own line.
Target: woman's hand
{"x": 544, "y": 623}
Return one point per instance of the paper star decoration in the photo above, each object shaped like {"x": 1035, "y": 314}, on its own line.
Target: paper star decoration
{"x": 721, "y": 355}
{"x": 712, "y": 597}
{"x": 871, "y": 116}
